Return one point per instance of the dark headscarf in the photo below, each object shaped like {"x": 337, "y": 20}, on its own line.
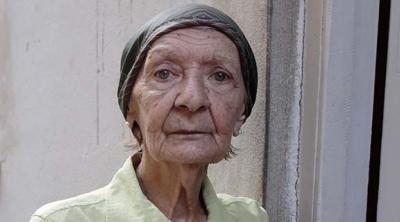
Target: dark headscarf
{"x": 186, "y": 16}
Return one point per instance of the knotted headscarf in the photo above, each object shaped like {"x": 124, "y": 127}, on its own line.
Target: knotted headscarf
{"x": 186, "y": 16}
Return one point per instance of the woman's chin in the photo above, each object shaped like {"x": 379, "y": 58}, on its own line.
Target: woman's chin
{"x": 193, "y": 154}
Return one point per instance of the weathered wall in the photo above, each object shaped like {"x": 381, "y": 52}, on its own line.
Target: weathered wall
{"x": 61, "y": 126}
{"x": 285, "y": 49}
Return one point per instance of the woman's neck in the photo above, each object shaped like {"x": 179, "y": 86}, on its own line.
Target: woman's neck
{"x": 174, "y": 188}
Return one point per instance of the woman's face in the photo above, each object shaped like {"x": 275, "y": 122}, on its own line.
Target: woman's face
{"x": 188, "y": 99}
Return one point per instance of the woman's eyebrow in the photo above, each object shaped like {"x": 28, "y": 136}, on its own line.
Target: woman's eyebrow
{"x": 161, "y": 51}
{"x": 165, "y": 52}
{"x": 216, "y": 59}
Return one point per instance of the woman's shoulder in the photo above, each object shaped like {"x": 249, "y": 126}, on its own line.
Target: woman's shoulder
{"x": 243, "y": 207}
{"x": 86, "y": 207}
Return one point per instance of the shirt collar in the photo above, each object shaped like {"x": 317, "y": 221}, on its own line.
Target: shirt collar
{"x": 125, "y": 200}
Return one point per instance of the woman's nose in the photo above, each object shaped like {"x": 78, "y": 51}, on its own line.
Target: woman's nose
{"x": 192, "y": 95}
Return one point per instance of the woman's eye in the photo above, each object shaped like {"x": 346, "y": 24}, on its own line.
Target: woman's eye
{"x": 163, "y": 74}
{"x": 220, "y": 76}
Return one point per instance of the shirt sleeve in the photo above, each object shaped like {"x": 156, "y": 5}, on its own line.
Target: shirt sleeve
{"x": 36, "y": 218}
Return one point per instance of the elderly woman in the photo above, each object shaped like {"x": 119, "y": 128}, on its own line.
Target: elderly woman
{"x": 188, "y": 83}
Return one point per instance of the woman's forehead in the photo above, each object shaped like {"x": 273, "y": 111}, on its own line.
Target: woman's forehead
{"x": 204, "y": 42}
{"x": 198, "y": 35}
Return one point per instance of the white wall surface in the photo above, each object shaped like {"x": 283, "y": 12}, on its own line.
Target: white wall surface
{"x": 61, "y": 129}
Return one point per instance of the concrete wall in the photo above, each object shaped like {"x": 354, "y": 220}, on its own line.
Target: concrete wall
{"x": 61, "y": 130}
{"x": 285, "y": 49}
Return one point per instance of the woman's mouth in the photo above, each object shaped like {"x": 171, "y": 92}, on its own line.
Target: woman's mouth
{"x": 189, "y": 132}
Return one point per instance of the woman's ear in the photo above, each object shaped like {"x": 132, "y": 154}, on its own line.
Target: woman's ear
{"x": 238, "y": 124}
{"x": 130, "y": 119}
{"x": 131, "y": 122}
{"x": 130, "y": 113}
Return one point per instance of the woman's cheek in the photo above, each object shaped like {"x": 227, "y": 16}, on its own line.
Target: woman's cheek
{"x": 157, "y": 105}
{"x": 226, "y": 111}
{"x": 149, "y": 97}
{"x": 223, "y": 118}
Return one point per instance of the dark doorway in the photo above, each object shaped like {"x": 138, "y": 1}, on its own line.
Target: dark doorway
{"x": 379, "y": 98}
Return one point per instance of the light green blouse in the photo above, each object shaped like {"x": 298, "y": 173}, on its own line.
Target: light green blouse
{"x": 122, "y": 200}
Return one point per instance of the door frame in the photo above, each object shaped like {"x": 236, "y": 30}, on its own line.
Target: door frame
{"x": 338, "y": 85}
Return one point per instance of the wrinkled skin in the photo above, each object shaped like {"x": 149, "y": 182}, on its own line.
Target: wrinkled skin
{"x": 188, "y": 99}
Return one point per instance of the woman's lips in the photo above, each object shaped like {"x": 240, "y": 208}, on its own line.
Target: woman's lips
{"x": 188, "y": 132}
